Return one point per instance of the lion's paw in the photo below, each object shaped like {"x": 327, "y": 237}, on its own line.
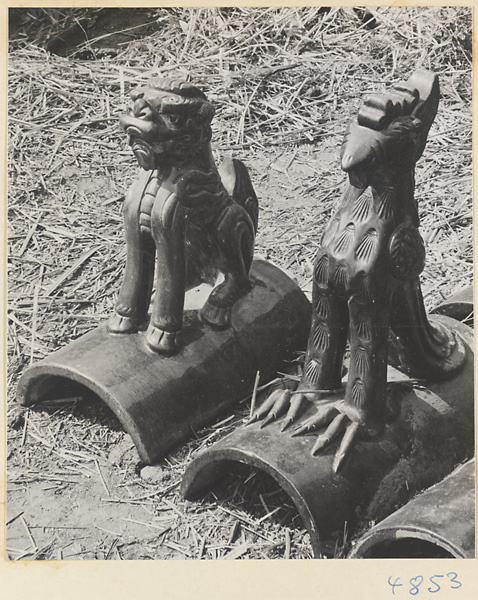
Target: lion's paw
{"x": 216, "y": 316}
{"x": 163, "y": 342}
{"x": 120, "y": 324}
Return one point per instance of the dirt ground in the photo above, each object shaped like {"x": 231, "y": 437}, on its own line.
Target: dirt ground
{"x": 76, "y": 487}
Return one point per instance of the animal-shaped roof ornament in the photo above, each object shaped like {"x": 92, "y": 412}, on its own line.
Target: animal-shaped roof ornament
{"x": 366, "y": 285}
{"x": 185, "y": 220}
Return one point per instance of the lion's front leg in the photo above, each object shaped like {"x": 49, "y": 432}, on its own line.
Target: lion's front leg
{"x": 131, "y": 308}
{"x": 170, "y": 280}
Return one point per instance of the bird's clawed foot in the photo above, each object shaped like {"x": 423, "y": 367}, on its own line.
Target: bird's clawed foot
{"x": 337, "y": 424}
{"x": 278, "y": 403}
{"x": 331, "y": 420}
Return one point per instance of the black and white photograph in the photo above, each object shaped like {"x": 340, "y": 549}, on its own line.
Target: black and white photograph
{"x": 240, "y": 285}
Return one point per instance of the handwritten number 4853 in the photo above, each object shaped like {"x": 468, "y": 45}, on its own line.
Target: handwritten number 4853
{"x": 416, "y": 582}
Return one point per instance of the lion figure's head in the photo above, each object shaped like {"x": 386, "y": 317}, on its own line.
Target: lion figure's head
{"x": 168, "y": 122}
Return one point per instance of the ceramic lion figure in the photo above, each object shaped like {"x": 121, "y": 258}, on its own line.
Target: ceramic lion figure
{"x": 185, "y": 220}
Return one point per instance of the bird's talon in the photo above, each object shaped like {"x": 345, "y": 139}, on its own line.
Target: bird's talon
{"x": 298, "y": 430}
{"x": 323, "y": 417}
{"x": 320, "y": 444}
{"x": 287, "y": 423}
{"x": 272, "y": 416}
{"x": 296, "y": 408}
{"x": 337, "y": 424}
{"x": 346, "y": 445}
{"x": 272, "y": 408}
{"x": 303, "y": 429}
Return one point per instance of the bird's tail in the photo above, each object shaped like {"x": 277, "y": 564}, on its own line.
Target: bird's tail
{"x": 422, "y": 348}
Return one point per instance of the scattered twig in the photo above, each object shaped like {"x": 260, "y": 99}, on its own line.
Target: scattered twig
{"x": 30, "y": 537}
{"x": 102, "y": 478}
{"x": 254, "y": 393}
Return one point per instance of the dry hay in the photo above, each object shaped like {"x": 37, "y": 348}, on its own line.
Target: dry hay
{"x": 284, "y": 82}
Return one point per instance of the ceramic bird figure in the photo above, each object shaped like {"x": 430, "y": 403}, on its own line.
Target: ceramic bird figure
{"x": 366, "y": 278}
